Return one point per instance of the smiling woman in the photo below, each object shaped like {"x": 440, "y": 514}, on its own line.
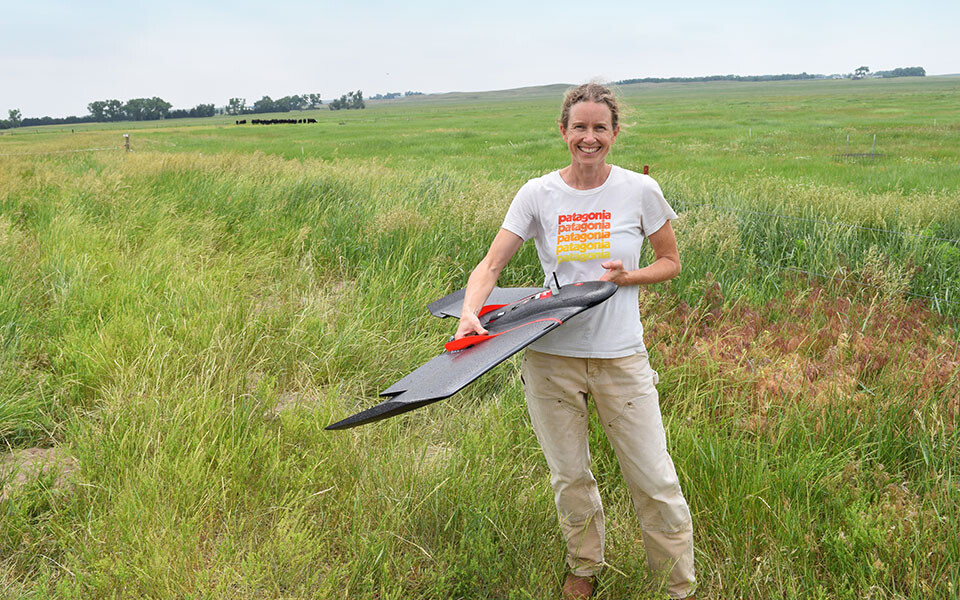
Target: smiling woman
{"x": 589, "y": 220}
{"x": 589, "y": 123}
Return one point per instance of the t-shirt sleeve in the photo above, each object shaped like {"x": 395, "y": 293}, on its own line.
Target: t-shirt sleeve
{"x": 654, "y": 209}
{"x": 520, "y": 217}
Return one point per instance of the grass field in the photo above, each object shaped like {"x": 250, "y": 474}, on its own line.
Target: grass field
{"x": 179, "y": 323}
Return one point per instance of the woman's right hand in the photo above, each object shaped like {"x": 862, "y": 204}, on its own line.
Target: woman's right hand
{"x": 469, "y": 325}
{"x": 483, "y": 279}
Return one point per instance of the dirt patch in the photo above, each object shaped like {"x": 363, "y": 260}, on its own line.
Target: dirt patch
{"x": 816, "y": 349}
{"x": 20, "y": 467}
{"x": 294, "y": 400}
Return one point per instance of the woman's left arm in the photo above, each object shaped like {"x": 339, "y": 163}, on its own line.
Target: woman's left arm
{"x": 666, "y": 266}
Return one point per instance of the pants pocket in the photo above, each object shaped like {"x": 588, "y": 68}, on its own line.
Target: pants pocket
{"x": 550, "y": 389}
{"x": 628, "y": 385}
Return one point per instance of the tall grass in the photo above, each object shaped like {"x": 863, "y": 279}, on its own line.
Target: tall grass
{"x": 185, "y": 324}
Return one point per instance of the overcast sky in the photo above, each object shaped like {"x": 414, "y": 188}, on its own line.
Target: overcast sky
{"x": 58, "y": 55}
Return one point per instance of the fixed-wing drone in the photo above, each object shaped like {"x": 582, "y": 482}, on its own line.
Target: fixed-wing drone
{"x": 514, "y": 318}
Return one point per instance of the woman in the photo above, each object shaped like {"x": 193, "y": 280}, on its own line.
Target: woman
{"x": 588, "y": 221}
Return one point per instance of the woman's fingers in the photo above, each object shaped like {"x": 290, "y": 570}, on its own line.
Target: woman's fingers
{"x": 614, "y": 269}
{"x": 469, "y": 325}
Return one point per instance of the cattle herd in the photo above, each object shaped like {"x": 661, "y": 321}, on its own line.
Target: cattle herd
{"x": 276, "y": 121}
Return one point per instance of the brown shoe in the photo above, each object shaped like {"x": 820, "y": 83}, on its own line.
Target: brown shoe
{"x": 577, "y": 588}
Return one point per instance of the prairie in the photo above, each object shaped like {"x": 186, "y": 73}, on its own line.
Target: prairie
{"x": 178, "y": 324}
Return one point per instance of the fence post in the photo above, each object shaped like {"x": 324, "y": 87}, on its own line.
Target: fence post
{"x": 126, "y": 141}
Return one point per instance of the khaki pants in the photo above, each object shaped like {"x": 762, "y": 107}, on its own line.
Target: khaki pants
{"x": 624, "y": 392}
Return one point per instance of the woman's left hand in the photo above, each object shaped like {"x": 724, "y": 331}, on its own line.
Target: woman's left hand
{"x": 615, "y": 272}
{"x": 667, "y": 265}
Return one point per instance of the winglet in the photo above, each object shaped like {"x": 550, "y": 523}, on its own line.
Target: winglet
{"x": 472, "y": 340}
{"x": 490, "y": 308}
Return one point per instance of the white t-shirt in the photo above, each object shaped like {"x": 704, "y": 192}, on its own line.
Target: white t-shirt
{"x": 577, "y": 230}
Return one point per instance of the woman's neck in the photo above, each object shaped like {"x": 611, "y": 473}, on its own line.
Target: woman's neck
{"x": 580, "y": 177}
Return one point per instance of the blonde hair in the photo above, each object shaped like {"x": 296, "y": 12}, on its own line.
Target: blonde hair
{"x": 590, "y": 92}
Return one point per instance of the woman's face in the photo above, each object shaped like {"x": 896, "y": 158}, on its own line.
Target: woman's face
{"x": 589, "y": 133}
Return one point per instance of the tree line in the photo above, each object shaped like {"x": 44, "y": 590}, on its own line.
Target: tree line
{"x": 238, "y": 106}
{"x": 155, "y": 108}
{"x": 902, "y": 72}
{"x": 392, "y": 95}
{"x": 348, "y": 101}
{"x": 135, "y": 109}
{"x": 858, "y": 74}
{"x": 707, "y": 78}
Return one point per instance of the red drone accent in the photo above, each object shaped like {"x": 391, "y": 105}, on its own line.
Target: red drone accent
{"x": 472, "y": 340}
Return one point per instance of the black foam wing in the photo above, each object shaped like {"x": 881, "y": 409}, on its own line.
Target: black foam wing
{"x": 450, "y": 305}
{"x": 511, "y": 328}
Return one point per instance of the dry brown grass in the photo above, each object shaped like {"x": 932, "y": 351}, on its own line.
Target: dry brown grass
{"x": 818, "y": 350}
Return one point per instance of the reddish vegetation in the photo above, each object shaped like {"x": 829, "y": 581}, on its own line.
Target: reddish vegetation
{"x": 815, "y": 348}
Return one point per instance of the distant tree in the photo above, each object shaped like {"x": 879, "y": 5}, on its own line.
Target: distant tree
{"x": 861, "y": 72}
{"x": 203, "y": 110}
{"x": 113, "y": 110}
{"x": 264, "y": 105}
{"x": 200, "y": 110}
{"x": 31, "y": 121}
{"x": 97, "y": 110}
{"x": 348, "y": 101}
{"x": 314, "y": 100}
{"x": 357, "y": 100}
{"x": 14, "y": 119}
{"x": 236, "y": 106}
{"x": 288, "y": 103}
{"x": 146, "y": 109}
{"x": 409, "y": 93}
{"x": 105, "y": 110}
{"x": 295, "y": 102}
{"x": 135, "y": 109}
{"x": 158, "y": 108}
{"x": 903, "y": 72}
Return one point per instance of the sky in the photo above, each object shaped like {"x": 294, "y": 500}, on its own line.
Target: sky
{"x": 56, "y": 56}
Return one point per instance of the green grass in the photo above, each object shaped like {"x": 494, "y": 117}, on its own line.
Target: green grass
{"x": 186, "y": 318}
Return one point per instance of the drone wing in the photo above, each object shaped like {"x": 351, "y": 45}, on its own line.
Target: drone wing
{"x": 511, "y": 327}
{"x": 450, "y": 305}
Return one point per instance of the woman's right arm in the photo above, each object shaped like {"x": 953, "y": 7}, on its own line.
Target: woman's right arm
{"x": 482, "y": 280}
